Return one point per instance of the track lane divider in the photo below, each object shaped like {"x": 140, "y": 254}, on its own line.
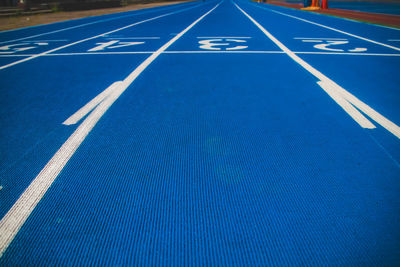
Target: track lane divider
{"x": 85, "y": 24}
{"x": 333, "y": 29}
{"x": 341, "y": 96}
{"x": 93, "y": 37}
{"x": 12, "y": 222}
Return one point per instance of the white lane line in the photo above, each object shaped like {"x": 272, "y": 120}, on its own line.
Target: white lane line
{"x": 348, "y": 54}
{"x": 12, "y": 222}
{"x": 205, "y": 52}
{"x": 91, "y": 38}
{"x": 210, "y": 37}
{"x": 82, "y": 25}
{"x": 77, "y": 116}
{"x": 303, "y": 38}
{"x": 337, "y": 30}
{"x": 127, "y": 38}
{"x": 45, "y": 41}
{"x": 339, "y": 94}
{"x": 349, "y": 108}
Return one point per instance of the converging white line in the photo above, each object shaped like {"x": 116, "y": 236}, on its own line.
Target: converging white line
{"x": 343, "y": 98}
{"x": 23, "y": 207}
{"x": 134, "y": 38}
{"x": 210, "y": 37}
{"x": 205, "y": 52}
{"x": 338, "y": 39}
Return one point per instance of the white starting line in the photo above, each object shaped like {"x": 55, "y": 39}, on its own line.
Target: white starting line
{"x": 203, "y": 52}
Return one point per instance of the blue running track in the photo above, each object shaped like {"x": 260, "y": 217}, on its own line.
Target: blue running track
{"x": 200, "y": 134}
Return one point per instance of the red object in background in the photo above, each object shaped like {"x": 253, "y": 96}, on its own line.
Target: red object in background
{"x": 324, "y": 4}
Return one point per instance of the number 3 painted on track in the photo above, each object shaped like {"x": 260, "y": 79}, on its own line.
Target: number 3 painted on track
{"x": 213, "y": 44}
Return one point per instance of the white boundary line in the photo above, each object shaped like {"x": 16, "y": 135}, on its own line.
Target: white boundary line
{"x": 94, "y": 37}
{"x": 223, "y": 37}
{"x": 336, "y": 30}
{"x": 317, "y": 38}
{"x": 85, "y": 24}
{"x": 343, "y": 98}
{"x": 204, "y": 52}
{"x": 12, "y": 222}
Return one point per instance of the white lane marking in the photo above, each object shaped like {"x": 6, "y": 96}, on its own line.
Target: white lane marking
{"x": 1, "y": 187}
{"x": 337, "y": 30}
{"x": 377, "y": 117}
{"x": 101, "y": 46}
{"x": 214, "y": 44}
{"x": 349, "y": 108}
{"x": 127, "y": 38}
{"x": 81, "y": 25}
{"x": 224, "y": 37}
{"x": 77, "y": 116}
{"x": 211, "y": 45}
{"x": 393, "y": 40}
{"x": 101, "y": 53}
{"x": 358, "y": 49}
{"x": 45, "y": 41}
{"x": 113, "y": 45}
{"x": 91, "y": 38}
{"x": 331, "y": 43}
{"x": 318, "y": 38}
{"x": 204, "y": 51}
{"x": 12, "y": 222}
{"x": 312, "y": 41}
{"x": 334, "y": 89}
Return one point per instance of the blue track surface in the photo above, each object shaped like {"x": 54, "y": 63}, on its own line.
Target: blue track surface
{"x": 237, "y": 141}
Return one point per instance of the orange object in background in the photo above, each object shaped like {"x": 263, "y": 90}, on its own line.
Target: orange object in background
{"x": 314, "y": 3}
{"x": 324, "y": 4}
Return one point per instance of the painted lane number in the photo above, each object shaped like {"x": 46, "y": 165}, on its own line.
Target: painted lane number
{"x": 222, "y": 43}
{"x": 15, "y": 48}
{"x": 332, "y": 45}
{"x": 112, "y": 45}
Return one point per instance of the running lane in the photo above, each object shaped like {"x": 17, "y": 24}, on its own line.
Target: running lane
{"x": 29, "y": 42}
{"x": 42, "y": 93}
{"x": 349, "y": 54}
{"x": 214, "y": 155}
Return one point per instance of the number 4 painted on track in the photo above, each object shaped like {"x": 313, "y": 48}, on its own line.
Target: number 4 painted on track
{"x": 109, "y": 45}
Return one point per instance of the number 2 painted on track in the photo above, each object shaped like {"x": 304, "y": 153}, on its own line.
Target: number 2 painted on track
{"x": 331, "y": 43}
